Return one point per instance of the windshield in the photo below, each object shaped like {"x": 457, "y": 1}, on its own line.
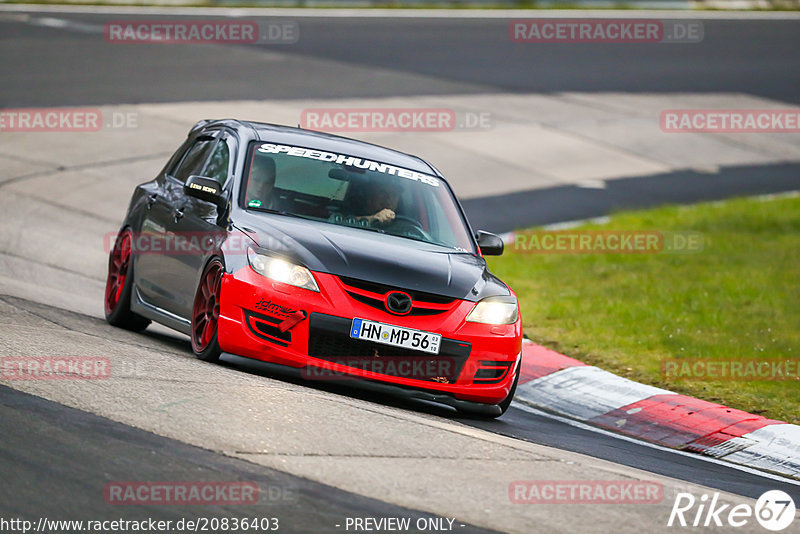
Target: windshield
{"x": 355, "y": 192}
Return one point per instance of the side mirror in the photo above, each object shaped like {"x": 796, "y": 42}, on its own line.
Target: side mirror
{"x": 206, "y": 189}
{"x": 490, "y": 244}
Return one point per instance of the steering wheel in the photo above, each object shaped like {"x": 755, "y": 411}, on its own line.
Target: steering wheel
{"x": 415, "y": 228}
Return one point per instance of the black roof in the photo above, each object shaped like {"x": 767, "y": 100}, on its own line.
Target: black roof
{"x": 295, "y": 136}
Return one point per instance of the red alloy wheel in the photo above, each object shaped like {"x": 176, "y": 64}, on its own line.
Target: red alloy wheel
{"x": 205, "y": 312}
{"x": 118, "y": 266}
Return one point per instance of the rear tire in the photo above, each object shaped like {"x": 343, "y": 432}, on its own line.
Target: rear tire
{"x": 205, "y": 313}
{"x": 119, "y": 286}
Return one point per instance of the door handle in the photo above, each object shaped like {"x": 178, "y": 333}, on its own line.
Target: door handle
{"x": 151, "y": 200}
{"x": 178, "y": 214}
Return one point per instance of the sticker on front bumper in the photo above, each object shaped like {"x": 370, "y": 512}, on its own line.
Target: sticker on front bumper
{"x": 396, "y": 336}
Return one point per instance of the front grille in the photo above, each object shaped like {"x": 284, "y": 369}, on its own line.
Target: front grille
{"x": 329, "y": 340}
{"x": 416, "y": 311}
{"x": 372, "y": 294}
{"x": 382, "y": 289}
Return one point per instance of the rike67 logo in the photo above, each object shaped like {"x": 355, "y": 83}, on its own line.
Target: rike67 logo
{"x": 774, "y": 510}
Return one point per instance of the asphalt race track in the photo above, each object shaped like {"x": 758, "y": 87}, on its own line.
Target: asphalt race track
{"x": 323, "y": 453}
{"x": 420, "y": 56}
{"x": 70, "y": 441}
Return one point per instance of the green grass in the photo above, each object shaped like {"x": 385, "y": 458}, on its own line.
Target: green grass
{"x": 737, "y": 299}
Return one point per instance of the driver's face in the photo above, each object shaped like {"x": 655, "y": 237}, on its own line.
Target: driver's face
{"x": 262, "y": 179}
{"x": 382, "y": 196}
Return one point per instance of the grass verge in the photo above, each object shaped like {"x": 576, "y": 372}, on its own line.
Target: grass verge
{"x": 736, "y": 299}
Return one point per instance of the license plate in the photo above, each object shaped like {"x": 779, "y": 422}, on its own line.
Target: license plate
{"x": 396, "y": 336}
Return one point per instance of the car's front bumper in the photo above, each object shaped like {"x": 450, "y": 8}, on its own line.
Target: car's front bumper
{"x": 476, "y": 362}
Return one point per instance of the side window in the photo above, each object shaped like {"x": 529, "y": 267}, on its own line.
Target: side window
{"x": 217, "y": 167}
{"x": 194, "y": 160}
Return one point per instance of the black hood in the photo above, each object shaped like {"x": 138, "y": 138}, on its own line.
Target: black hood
{"x": 375, "y": 257}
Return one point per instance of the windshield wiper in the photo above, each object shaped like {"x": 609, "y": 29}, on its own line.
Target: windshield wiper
{"x": 369, "y": 228}
{"x": 427, "y": 242}
{"x": 281, "y": 212}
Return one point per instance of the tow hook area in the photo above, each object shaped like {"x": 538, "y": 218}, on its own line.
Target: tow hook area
{"x": 292, "y": 320}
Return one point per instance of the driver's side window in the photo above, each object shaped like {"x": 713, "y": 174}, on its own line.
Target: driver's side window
{"x": 194, "y": 160}
{"x": 217, "y": 167}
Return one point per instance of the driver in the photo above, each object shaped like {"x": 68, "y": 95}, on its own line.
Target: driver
{"x": 381, "y": 199}
{"x": 261, "y": 183}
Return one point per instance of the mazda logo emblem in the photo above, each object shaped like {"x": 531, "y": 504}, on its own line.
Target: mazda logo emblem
{"x": 399, "y": 303}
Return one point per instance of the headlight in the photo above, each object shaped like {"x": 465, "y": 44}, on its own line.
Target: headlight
{"x": 495, "y": 310}
{"x": 281, "y": 270}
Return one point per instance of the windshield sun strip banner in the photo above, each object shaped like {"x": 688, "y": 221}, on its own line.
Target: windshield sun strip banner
{"x": 350, "y": 161}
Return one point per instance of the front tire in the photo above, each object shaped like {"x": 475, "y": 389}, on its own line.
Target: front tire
{"x": 119, "y": 286}
{"x": 507, "y": 401}
{"x": 504, "y": 404}
{"x": 205, "y": 313}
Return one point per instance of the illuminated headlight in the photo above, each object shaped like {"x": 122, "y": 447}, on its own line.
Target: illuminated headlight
{"x": 281, "y": 270}
{"x": 495, "y": 310}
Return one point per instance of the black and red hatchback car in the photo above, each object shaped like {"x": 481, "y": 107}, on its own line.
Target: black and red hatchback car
{"x": 328, "y": 255}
